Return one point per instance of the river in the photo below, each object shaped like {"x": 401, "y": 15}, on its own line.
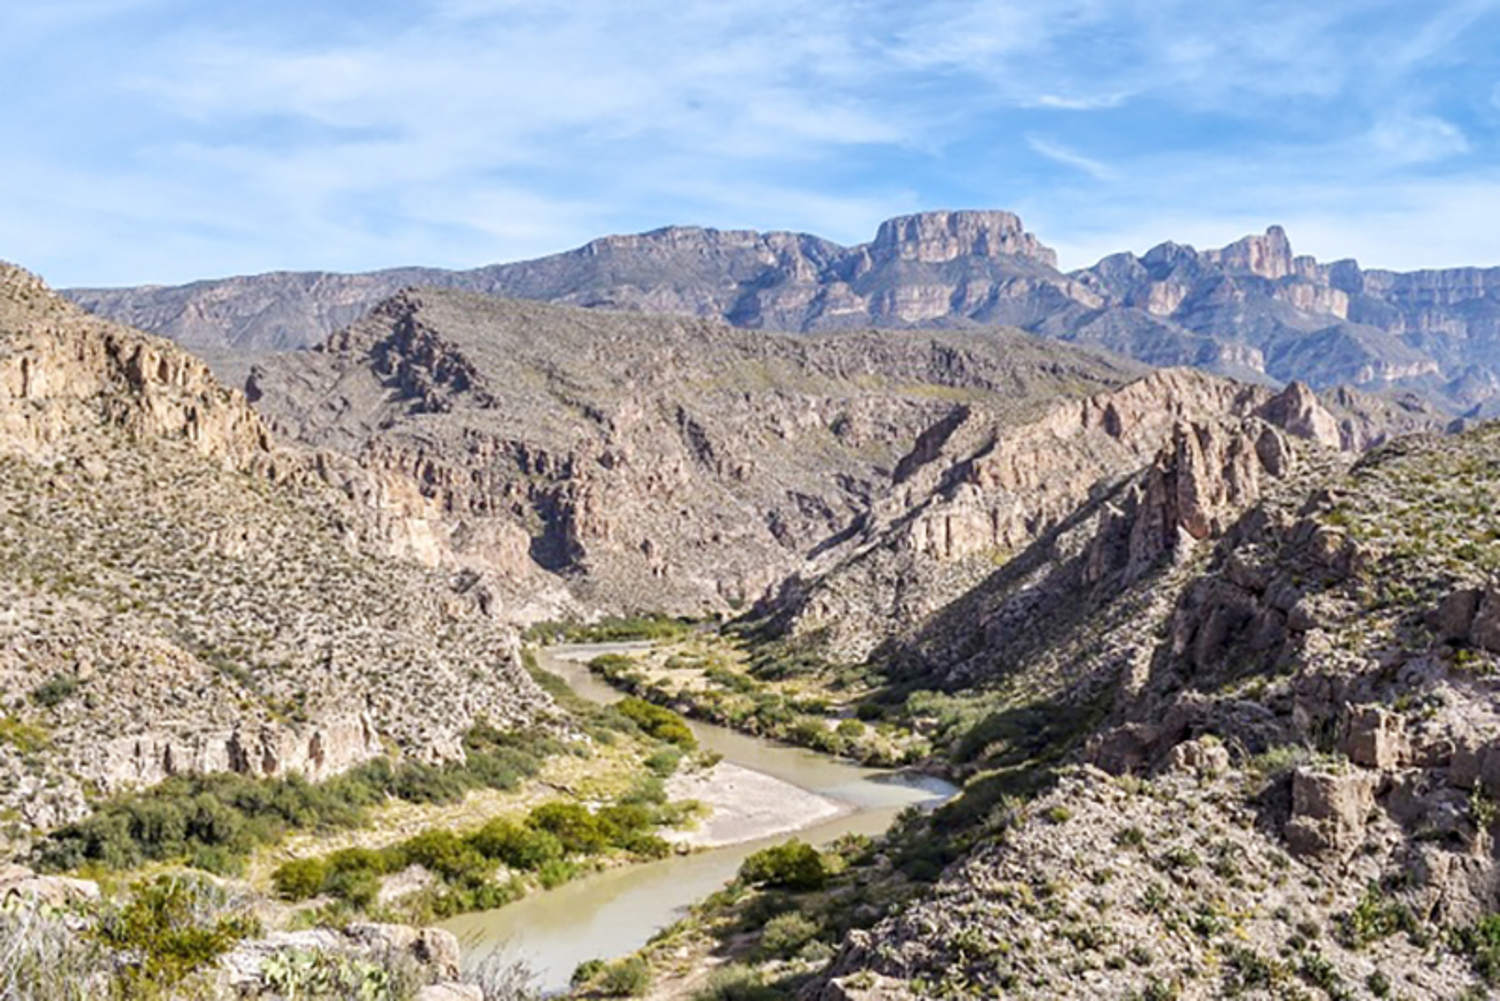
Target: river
{"x": 612, "y": 913}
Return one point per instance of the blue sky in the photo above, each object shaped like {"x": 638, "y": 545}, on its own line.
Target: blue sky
{"x": 161, "y": 141}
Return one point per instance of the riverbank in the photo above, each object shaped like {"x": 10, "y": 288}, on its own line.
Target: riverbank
{"x": 760, "y": 792}
{"x": 743, "y": 804}
{"x": 763, "y": 690}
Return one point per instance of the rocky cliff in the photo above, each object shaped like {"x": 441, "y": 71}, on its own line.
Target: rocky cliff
{"x": 178, "y": 592}
{"x": 1251, "y": 310}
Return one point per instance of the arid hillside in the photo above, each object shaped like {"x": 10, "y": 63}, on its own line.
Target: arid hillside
{"x": 179, "y": 592}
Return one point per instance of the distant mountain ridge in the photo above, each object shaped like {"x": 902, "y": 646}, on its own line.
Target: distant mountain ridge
{"x": 1251, "y": 310}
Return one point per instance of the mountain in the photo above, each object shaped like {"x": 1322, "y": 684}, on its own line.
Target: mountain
{"x": 644, "y": 462}
{"x": 1251, "y": 310}
{"x": 180, "y": 591}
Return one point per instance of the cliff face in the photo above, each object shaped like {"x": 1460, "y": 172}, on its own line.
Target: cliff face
{"x": 178, "y": 592}
{"x": 1251, "y": 310}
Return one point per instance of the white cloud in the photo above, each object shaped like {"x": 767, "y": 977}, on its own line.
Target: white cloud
{"x": 1406, "y": 139}
{"x": 1059, "y": 153}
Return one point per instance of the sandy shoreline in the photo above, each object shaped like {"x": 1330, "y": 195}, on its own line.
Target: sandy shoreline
{"x": 746, "y": 805}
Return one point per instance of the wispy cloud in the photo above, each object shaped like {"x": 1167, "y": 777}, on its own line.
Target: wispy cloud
{"x": 1058, "y": 153}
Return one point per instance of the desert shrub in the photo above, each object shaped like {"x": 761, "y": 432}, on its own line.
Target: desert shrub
{"x": 1481, "y": 943}
{"x": 794, "y": 865}
{"x": 300, "y": 878}
{"x": 55, "y": 690}
{"x": 626, "y": 978}
{"x": 42, "y": 958}
{"x": 445, "y": 853}
{"x": 555, "y": 872}
{"x": 578, "y": 829}
{"x": 658, "y": 722}
{"x": 175, "y": 926}
{"x": 786, "y": 933}
{"x": 586, "y": 971}
{"x": 519, "y": 847}
{"x": 736, "y": 982}
{"x": 664, "y": 762}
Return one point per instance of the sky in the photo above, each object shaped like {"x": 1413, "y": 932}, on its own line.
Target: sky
{"x": 162, "y": 141}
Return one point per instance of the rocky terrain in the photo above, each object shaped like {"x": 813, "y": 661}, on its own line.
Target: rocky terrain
{"x": 1252, "y": 310}
{"x": 1285, "y": 793}
{"x": 179, "y": 592}
{"x": 616, "y": 461}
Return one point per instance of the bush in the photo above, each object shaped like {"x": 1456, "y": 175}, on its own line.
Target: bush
{"x": 735, "y": 982}
{"x": 663, "y": 724}
{"x": 786, "y": 933}
{"x": 573, "y": 825}
{"x": 627, "y": 978}
{"x": 1481, "y": 943}
{"x": 300, "y": 878}
{"x": 664, "y": 762}
{"x": 517, "y": 846}
{"x": 794, "y": 865}
{"x": 175, "y": 927}
{"x": 448, "y": 855}
{"x": 55, "y": 691}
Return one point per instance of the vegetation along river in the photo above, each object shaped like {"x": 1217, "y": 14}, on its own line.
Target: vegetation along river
{"x": 611, "y": 913}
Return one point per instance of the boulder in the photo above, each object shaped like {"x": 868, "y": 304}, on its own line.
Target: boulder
{"x": 1484, "y": 631}
{"x": 1202, "y": 756}
{"x": 1376, "y": 738}
{"x": 1329, "y": 810}
{"x": 20, "y": 883}
{"x": 1454, "y": 615}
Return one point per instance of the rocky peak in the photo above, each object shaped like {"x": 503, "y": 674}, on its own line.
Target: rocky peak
{"x": 1269, "y": 256}
{"x": 935, "y": 237}
{"x": 1298, "y": 409}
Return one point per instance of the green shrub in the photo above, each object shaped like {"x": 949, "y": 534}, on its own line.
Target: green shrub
{"x": 786, "y": 933}
{"x": 664, "y": 762}
{"x": 175, "y": 926}
{"x": 55, "y": 690}
{"x": 626, "y": 978}
{"x": 445, "y": 853}
{"x": 736, "y": 982}
{"x": 1481, "y": 943}
{"x": 586, "y": 971}
{"x": 300, "y": 878}
{"x": 573, "y": 825}
{"x": 555, "y": 872}
{"x": 517, "y": 846}
{"x": 663, "y": 724}
{"x": 794, "y": 865}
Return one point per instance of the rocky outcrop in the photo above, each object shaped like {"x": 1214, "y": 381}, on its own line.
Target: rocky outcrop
{"x": 432, "y": 952}
{"x": 1329, "y": 811}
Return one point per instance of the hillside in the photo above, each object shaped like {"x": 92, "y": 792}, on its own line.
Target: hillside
{"x": 646, "y": 462}
{"x": 1252, "y": 310}
{"x": 1291, "y": 797}
{"x": 179, "y": 592}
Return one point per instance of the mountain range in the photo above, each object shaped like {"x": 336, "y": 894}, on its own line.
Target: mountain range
{"x": 1252, "y": 310}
